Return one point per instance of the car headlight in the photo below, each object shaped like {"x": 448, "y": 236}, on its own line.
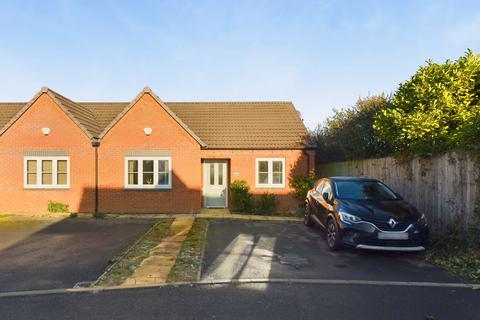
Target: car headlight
{"x": 422, "y": 220}
{"x": 348, "y": 218}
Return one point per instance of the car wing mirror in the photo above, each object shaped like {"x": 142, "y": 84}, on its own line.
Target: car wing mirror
{"x": 399, "y": 196}
{"x": 325, "y": 196}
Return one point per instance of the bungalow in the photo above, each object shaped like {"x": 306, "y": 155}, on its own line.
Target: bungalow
{"x": 146, "y": 155}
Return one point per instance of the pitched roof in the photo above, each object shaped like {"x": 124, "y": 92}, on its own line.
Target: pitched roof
{"x": 244, "y": 125}
{"x": 147, "y": 90}
{"x": 215, "y": 125}
{"x": 80, "y": 115}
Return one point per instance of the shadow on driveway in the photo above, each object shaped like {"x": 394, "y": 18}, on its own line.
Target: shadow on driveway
{"x": 238, "y": 249}
{"x": 61, "y": 254}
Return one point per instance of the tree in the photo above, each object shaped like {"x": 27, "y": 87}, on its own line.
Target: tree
{"x": 349, "y": 133}
{"x": 436, "y": 110}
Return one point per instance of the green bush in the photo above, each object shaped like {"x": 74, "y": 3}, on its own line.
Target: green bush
{"x": 242, "y": 199}
{"x": 57, "y": 207}
{"x": 301, "y": 184}
{"x": 436, "y": 110}
{"x": 349, "y": 135}
{"x": 266, "y": 204}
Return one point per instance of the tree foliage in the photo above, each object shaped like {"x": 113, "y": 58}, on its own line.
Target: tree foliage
{"x": 349, "y": 133}
{"x": 436, "y": 110}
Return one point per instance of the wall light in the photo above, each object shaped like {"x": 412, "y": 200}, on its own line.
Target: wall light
{"x": 46, "y": 131}
{"x": 148, "y": 131}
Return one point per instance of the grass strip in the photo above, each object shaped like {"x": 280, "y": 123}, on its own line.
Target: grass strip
{"x": 462, "y": 262}
{"x": 189, "y": 261}
{"x": 122, "y": 266}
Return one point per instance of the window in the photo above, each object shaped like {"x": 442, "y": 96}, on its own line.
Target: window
{"x": 328, "y": 190}
{"x": 46, "y": 172}
{"x": 270, "y": 173}
{"x": 148, "y": 173}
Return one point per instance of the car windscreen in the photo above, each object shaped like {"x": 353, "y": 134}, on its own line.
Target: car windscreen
{"x": 363, "y": 190}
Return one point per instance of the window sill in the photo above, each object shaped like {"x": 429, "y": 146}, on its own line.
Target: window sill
{"x": 138, "y": 188}
{"x": 46, "y": 188}
{"x": 270, "y": 187}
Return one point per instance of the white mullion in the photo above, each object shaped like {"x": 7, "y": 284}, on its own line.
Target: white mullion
{"x": 169, "y": 161}
{"x": 68, "y": 172}
{"x": 140, "y": 172}
{"x": 270, "y": 172}
{"x": 39, "y": 172}
{"x": 155, "y": 172}
{"x": 54, "y": 172}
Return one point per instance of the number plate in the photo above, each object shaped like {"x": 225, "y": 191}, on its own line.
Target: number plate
{"x": 393, "y": 236}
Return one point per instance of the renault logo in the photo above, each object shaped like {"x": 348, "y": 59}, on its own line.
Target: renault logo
{"x": 392, "y": 223}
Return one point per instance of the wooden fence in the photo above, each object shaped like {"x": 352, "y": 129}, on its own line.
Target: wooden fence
{"x": 445, "y": 188}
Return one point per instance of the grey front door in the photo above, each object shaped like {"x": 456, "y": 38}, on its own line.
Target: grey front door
{"x": 215, "y": 183}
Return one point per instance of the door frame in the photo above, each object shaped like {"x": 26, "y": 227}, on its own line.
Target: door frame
{"x": 204, "y": 181}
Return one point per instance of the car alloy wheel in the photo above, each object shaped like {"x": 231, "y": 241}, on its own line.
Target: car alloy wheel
{"x": 333, "y": 240}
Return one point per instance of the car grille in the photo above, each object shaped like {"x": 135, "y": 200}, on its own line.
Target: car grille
{"x": 384, "y": 226}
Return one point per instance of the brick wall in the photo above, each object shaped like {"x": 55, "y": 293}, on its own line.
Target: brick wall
{"x": 26, "y": 134}
{"x": 242, "y": 167}
{"x": 127, "y": 134}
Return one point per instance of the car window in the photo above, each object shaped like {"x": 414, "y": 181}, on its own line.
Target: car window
{"x": 320, "y": 187}
{"x": 327, "y": 189}
{"x": 364, "y": 190}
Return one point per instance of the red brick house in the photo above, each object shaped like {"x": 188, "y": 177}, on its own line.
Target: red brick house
{"x": 146, "y": 155}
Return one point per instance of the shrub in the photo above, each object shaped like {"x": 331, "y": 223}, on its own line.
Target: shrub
{"x": 435, "y": 110}
{"x": 349, "y": 133}
{"x": 301, "y": 184}
{"x": 241, "y": 196}
{"x": 57, "y": 207}
{"x": 266, "y": 204}
{"x": 73, "y": 214}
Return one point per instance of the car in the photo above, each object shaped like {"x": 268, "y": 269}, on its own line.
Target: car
{"x": 365, "y": 213}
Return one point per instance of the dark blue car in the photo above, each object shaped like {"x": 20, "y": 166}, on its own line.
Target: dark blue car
{"x": 365, "y": 214}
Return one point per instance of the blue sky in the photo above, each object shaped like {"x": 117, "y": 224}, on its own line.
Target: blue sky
{"x": 318, "y": 54}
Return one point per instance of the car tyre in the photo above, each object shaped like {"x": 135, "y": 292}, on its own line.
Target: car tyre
{"x": 307, "y": 218}
{"x": 332, "y": 235}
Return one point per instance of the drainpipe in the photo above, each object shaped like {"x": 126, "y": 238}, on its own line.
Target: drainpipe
{"x": 95, "y": 145}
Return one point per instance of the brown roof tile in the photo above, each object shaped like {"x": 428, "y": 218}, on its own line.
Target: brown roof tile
{"x": 219, "y": 125}
{"x": 243, "y": 125}
{"x": 8, "y": 110}
{"x": 81, "y": 115}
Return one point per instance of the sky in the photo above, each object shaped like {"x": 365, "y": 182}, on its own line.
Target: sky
{"x": 321, "y": 55}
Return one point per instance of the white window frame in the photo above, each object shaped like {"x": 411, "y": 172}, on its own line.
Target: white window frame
{"x": 39, "y": 184}
{"x": 269, "y": 184}
{"x": 155, "y": 184}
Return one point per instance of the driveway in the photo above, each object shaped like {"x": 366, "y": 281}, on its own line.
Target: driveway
{"x": 238, "y": 249}
{"x": 46, "y": 255}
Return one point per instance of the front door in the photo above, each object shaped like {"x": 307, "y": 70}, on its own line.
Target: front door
{"x": 215, "y": 183}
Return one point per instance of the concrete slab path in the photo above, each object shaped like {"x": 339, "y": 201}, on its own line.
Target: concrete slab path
{"x": 157, "y": 266}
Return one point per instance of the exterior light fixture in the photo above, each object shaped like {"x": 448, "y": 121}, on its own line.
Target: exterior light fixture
{"x": 148, "y": 131}
{"x": 46, "y": 131}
